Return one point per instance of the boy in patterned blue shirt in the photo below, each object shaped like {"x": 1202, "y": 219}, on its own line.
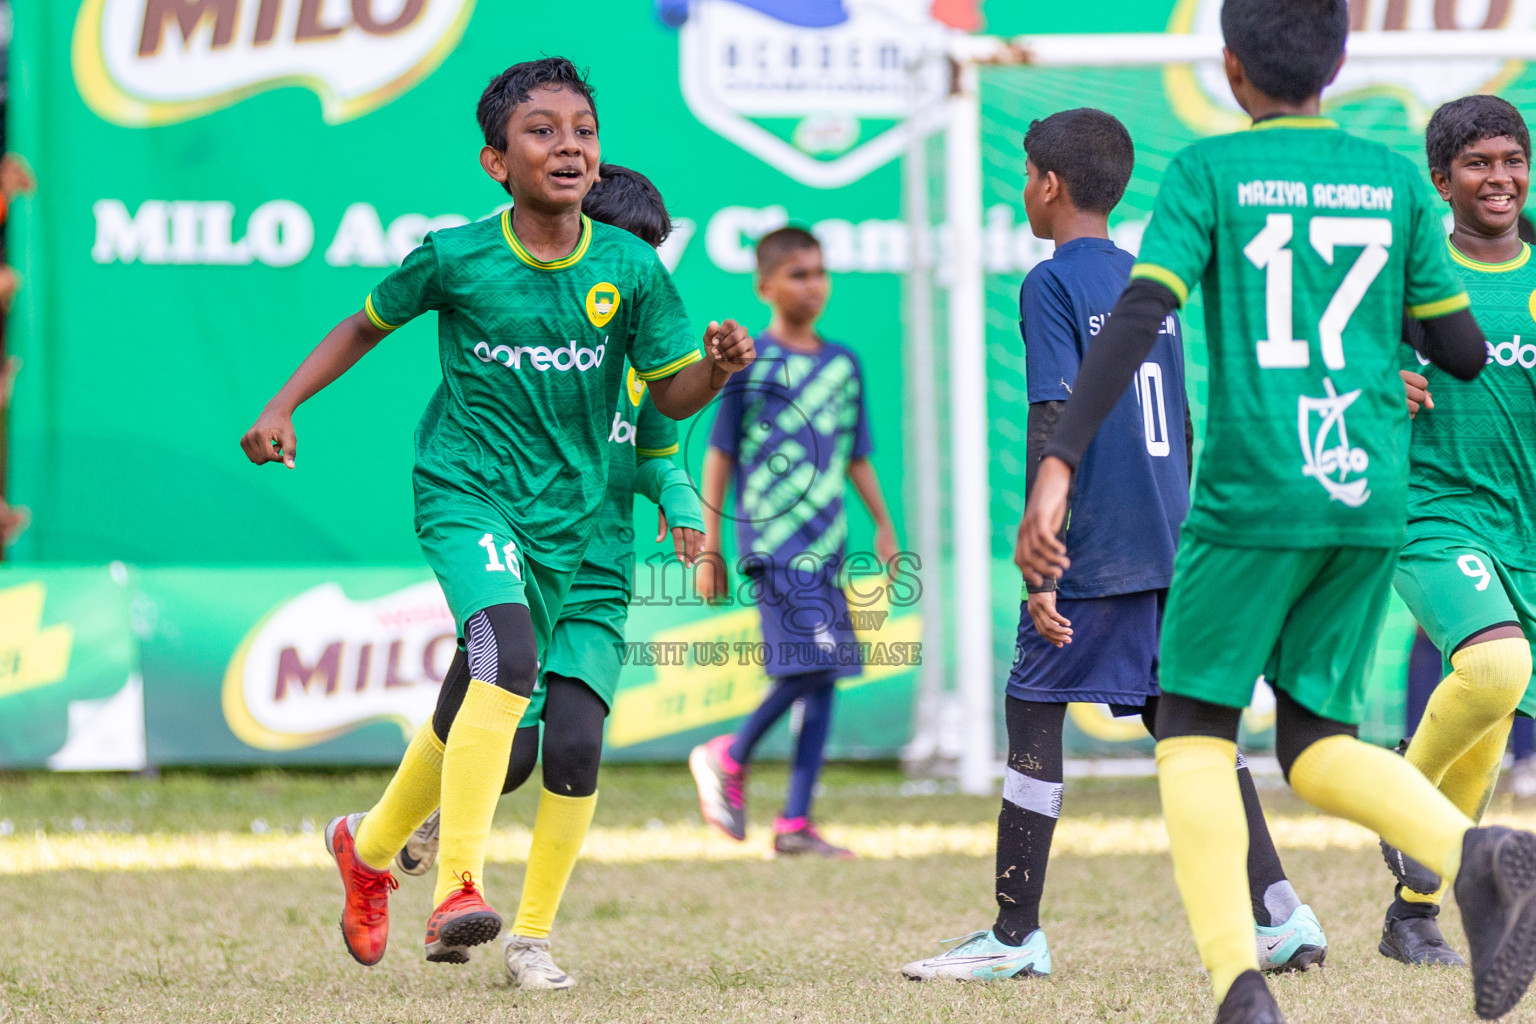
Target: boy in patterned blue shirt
{"x": 787, "y": 436}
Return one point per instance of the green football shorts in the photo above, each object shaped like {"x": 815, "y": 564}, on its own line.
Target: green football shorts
{"x": 1305, "y": 618}
{"x": 480, "y": 561}
{"x": 1457, "y": 588}
{"x": 587, "y": 642}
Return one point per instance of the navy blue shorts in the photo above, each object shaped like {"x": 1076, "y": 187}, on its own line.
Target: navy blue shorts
{"x": 806, "y": 626}
{"x": 1112, "y": 658}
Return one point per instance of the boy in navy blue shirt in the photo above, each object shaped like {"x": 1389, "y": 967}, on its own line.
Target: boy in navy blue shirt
{"x": 1092, "y": 635}
{"x": 789, "y": 437}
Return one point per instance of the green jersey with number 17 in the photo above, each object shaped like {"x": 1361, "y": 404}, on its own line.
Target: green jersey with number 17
{"x": 1472, "y": 474}
{"x": 533, "y": 358}
{"x": 1308, "y": 243}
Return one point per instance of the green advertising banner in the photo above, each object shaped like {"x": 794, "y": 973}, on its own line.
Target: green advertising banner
{"x": 324, "y": 666}
{"x": 70, "y": 692}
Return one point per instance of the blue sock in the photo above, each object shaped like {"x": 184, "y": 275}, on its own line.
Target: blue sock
{"x": 782, "y": 693}
{"x": 810, "y": 745}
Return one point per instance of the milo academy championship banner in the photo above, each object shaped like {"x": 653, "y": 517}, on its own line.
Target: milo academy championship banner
{"x": 222, "y": 180}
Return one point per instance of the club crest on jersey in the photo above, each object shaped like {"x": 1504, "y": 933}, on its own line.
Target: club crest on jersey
{"x": 634, "y": 387}
{"x": 602, "y": 303}
{"x": 1325, "y": 451}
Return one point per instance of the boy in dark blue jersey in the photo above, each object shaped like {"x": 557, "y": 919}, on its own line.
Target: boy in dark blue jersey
{"x": 1092, "y": 635}
{"x": 788, "y": 439}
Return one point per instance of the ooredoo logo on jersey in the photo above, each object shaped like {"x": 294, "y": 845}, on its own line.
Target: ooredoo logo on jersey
{"x": 150, "y": 62}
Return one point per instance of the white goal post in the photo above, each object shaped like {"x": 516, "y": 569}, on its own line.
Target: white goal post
{"x": 966, "y": 597}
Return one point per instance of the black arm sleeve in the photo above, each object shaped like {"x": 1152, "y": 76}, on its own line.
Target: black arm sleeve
{"x": 1413, "y": 333}
{"x": 1455, "y": 344}
{"x": 1041, "y": 425}
{"x": 1110, "y": 364}
{"x": 1189, "y": 444}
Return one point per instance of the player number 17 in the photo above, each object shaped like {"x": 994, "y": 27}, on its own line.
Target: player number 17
{"x": 1269, "y": 250}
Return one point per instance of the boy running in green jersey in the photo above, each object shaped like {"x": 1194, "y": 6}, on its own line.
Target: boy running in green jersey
{"x": 537, "y": 311}
{"x": 1308, "y": 243}
{"x": 1467, "y": 571}
{"x": 580, "y": 671}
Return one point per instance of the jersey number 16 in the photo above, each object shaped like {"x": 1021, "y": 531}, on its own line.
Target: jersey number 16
{"x": 1269, "y": 251}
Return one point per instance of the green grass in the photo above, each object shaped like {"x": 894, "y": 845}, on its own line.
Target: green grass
{"x": 654, "y": 942}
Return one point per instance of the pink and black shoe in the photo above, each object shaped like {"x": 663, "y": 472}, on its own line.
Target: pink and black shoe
{"x": 793, "y": 837}
{"x": 722, "y": 786}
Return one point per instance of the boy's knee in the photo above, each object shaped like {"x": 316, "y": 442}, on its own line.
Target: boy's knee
{"x": 571, "y": 764}
{"x": 501, "y": 648}
{"x": 1495, "y": 672}
{"x": 1297, "y": 728}
{"x": 1186, "y": 716}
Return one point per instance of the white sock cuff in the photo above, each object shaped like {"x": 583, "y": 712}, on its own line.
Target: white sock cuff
{"x": 1032, "y": 794}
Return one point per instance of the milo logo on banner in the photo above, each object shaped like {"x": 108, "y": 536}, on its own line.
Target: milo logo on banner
{"x": 149, "y": 62}
{"x": 1200, "y": 96}
{"x": 820, "y": 89}
{"x": 322, "y": 664}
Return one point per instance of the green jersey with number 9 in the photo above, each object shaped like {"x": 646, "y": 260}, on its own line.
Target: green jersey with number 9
{"x": 1308, "y": 243}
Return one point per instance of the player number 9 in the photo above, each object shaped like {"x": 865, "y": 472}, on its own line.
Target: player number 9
{"x": 1473, "y": 567}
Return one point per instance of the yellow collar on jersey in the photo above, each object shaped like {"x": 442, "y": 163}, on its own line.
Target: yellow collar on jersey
{"x": 1293, "y": 121}
{"x": 582, "y": 243}
{"x": 1464, "y": 260}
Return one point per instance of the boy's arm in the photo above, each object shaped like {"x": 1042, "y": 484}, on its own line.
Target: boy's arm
{"x": 727, "y": 349}
{"x": 1039, "y": 426}
{"x": 861, "y": 473}
{"x": 665, "y": 484}
{"x": 272, "y": 439}
{"x": 406, "y": 293}
{"x": 710, "y": 573}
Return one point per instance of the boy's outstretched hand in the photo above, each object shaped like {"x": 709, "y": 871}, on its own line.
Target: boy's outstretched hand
{"x": 729, "y": 345}
{"x": 1039, "y": 551}
{"x": 688, "y": 541}
{"x": 271, "y": 439}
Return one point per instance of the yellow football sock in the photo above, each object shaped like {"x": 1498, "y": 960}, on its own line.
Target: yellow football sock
{"x": 558, "y": 833}
{"x": 407, "y": 801}
{"x": 1469, "y": 785}
{"x": 1484, "y": 688}
{"x": 1376, "y": 788}
{"x": 474, "y": 767}
{"x": 1208, "y": 837}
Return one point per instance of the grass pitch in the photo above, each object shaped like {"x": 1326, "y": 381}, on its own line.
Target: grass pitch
{"x": 208, "y": 898}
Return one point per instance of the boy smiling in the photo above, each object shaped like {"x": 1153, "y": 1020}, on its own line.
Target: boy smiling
{"x": 511, "y": 461}
{"x": 1467, "y": 572}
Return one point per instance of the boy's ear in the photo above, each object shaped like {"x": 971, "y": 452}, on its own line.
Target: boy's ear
{"x": 1051, "y": 188}
{"x": 1336, "y": 69}
{"x": 495, "y": 164}
{"x": 1442, "y": 183}
{"x": 1236, "y": 75}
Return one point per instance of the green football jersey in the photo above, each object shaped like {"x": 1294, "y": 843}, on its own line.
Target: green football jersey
{"x": 1472, "y": 467}
{"x": 532, "y": 355}
{"x": 637, "y": 431}
{"x": 1308, "y": 243}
